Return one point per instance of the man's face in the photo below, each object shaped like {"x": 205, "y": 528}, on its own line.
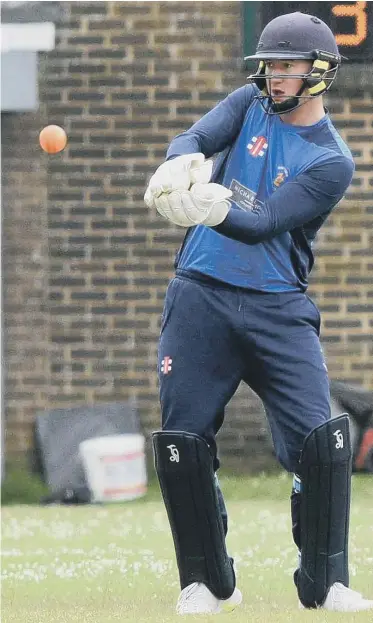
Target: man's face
{"x": 281, "y": 89}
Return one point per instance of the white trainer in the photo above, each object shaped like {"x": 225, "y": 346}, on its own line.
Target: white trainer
{"x": 343, "y": 599}
{"x": 198, "y": 599}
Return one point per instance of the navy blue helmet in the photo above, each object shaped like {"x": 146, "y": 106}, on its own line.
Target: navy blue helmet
{"x": 296, "y": 36}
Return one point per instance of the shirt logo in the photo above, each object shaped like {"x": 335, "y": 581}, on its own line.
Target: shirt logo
{"x": 244, "y": 197}
{"x": 258, "y": 146}
{"x": 166, "y": 365}
{"x": 282, "y": 174}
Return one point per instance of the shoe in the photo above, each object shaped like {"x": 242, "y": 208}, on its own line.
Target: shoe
{"x": 198, "y": 599}
{"x": 343, "y": 599}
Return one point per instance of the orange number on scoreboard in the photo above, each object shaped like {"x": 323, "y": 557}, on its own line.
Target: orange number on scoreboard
{"x": 358, "y": 11}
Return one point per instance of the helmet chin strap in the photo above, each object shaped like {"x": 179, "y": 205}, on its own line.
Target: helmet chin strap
{"x": 290, "y": 104}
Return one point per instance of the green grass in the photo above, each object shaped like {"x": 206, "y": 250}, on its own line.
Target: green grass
{"x": 106, "y": 563}
{"x": 21, "y": 487}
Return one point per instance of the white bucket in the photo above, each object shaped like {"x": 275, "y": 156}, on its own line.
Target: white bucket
{"x": 115, "y": 467}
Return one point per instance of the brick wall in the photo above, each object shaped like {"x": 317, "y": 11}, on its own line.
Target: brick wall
{"x": 342, "y": 283}
{"x": 24, "y": 284}
{"x": 125, "y": 77}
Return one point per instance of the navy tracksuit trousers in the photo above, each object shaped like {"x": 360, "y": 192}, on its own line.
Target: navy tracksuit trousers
{"x": 213, "y": 336}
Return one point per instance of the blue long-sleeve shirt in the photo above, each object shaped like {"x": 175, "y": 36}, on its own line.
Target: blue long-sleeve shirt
{"x": 285, "y": 181}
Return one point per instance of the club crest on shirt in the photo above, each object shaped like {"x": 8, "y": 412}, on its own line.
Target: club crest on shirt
{"x": 281, "y": 176}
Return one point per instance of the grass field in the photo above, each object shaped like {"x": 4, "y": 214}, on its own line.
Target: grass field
{"x": 99, "y": 564}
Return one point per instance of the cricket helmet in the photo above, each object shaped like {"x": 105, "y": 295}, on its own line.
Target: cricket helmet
{"x": 296, "y": 36}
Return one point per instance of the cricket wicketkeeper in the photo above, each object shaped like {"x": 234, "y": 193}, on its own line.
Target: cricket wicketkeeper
{"x": 237, "y": 310}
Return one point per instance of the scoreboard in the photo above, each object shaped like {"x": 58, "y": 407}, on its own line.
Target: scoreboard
{"x": 351, "y": 23}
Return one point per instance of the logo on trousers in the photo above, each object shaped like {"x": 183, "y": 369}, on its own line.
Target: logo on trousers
{"x": 339, "y": 437}
{"x": 174, "y": 453}
{"x": 166, "y": 365}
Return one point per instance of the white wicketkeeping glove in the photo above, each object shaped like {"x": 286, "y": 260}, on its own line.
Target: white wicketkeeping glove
{"x": 178, "y": 174}
{"x": 205, "y": 204}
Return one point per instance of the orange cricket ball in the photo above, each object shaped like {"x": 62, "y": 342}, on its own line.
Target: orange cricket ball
{"x": 52, "y": 139}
